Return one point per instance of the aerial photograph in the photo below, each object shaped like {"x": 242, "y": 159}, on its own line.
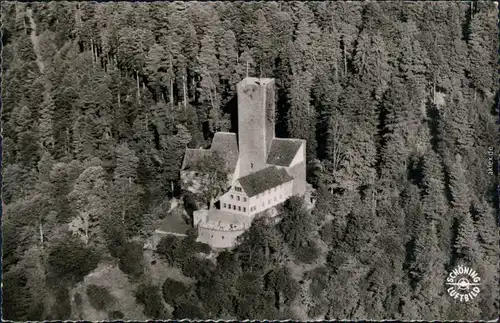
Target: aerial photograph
{"x": 250, "y": 160}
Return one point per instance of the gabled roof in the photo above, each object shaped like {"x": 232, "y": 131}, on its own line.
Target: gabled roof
{"x": 194, "y": 157}
{"x": 226, "y": 145}
{"x": 283, "y": 151}
{"x": 264, "y": 180}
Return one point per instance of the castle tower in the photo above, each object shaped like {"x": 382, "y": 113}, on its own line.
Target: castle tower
{"x": 256, "y": 104}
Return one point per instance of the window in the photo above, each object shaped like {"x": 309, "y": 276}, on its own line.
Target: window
{"x": 251, "y": 165}
{"x": 239, "y": 208}
{"x": 237, "y": 198}
{"x": 234, "y": 207}
{"x": 232, "y": 197}
{"x": 222, "y": 237}
{"x": 211, "y": 236}
{"x": 224, "y": 205}
{"x": 244, "y": 199}
{"x": 238, "y": 189}
{"x": 244, "y": 209}
{"x": 229, "y": 206}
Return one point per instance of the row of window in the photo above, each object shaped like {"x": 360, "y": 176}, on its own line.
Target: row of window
{"x": 229, "y": 206}
{"x": 211, "y": 236}
{"x": 238, "y": 198}
{"x": 269, "y": 191}
{"x": 269, "y": 201}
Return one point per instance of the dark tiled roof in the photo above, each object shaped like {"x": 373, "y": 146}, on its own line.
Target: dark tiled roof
{"x": 193, "y": 158}
{"x": 283, "y": 151}
{"x": 264, "y": 179}
{"x": 226, "y": 145}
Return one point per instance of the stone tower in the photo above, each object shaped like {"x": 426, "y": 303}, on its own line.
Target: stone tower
{"x": 256, "y": 104}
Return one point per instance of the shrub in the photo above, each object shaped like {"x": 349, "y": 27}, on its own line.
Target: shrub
{"x": 71, "y": 260}
{"x": 307, "y": 254}
{"x": 202, "y": 247}
{"x": 329, "y": 232}
{"x": 167, "y": 248}
{"x": 99, "y": 297}
{"x": 116, "y": 315}
{"x": 172, "y": 290}
{"x": 62, "y": 307}
{"x": 149, "y": 295}
{"x": 131, "y": 259}
{"x": 318, "y": 309}
{"x": 198, "y": 269}
{"x": 188, "y": 311}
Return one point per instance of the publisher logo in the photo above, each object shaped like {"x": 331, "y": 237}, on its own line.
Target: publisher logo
{"x": 463, "y": 282}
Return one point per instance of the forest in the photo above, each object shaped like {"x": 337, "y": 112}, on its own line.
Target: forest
{"x": 397, "y": 102}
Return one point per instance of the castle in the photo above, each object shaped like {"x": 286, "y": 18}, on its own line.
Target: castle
{"x": 264, "y": 170}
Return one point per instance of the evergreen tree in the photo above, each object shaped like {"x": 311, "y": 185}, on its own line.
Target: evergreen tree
{"x": 466, "y": 244}
{"x": 89, "y": 196}
{"x": 434, "y": 200}
{"x": 483, "y": 50}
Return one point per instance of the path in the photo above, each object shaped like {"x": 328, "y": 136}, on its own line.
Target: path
{"x": 35, "y": 41}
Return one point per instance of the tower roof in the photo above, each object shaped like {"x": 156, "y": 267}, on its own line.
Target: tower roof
{"x": 256, "y": 80}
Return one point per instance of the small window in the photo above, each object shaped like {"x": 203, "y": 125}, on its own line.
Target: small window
{"x": 238, "y": 189}
{"x": 244, "y": 209}
{"x": 224, "y": 205}
{"x": 232, "y": 197}
{"x": 251, "y": 165}
{"x": 244, "y": 199}
{"x": 239, "y": 208}
{"x": 222, "y": 237}
{"x": 211, "y": 236}
{"x": 234, "y": 207}
{"x": 237, "y": 198}
{"x": 229, "y": 206}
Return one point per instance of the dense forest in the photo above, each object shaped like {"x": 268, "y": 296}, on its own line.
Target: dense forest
{"x": 397, "y": 102}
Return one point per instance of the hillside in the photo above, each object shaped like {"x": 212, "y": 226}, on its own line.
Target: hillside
{"x": 397, "y": 102}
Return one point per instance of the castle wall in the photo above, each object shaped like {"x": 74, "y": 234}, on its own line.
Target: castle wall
{"x": 299, "y": 178}
{"x": 218, "y": 238}
{"x": 298, "y": 171}
{"x": 199, "y": 216}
